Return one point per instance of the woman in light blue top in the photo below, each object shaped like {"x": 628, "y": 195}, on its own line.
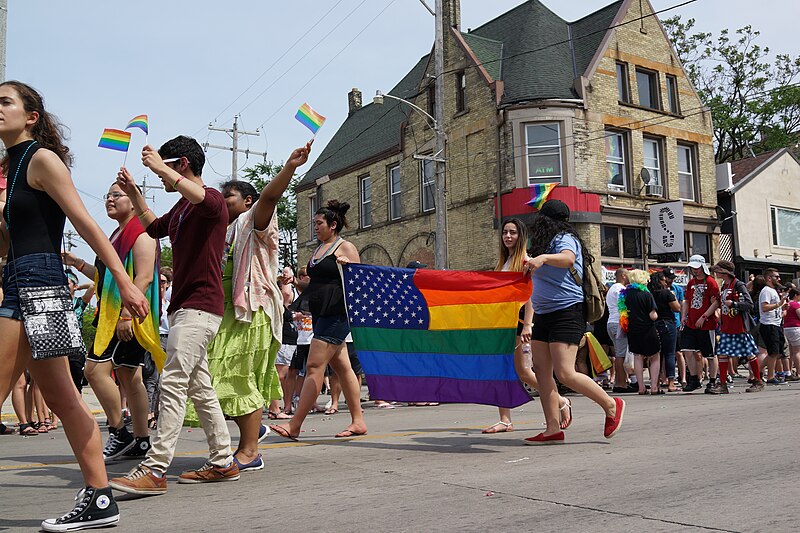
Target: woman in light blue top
{"x": 558, "y": 253}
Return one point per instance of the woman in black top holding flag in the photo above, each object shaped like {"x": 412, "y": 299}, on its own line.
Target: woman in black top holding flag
{"x": 329, "y": 316}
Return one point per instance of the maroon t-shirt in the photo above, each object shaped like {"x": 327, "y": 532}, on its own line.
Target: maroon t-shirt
{"x": 197, "y": 234}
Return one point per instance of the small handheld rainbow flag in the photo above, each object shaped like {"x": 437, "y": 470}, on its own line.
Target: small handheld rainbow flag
{"x": 138, "y": 122}
{"x": 115, "y": 140}
{"x": 539, "y": 194}
{"x": 310, "y": 118}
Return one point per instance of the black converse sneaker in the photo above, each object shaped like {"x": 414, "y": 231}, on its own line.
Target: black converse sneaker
{"x": 139, "y": 449}
{"x": 119, "y": 441}
{"x": 93, "y": 508}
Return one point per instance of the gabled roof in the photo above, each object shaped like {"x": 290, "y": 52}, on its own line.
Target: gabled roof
{"x": 534, "y": 67}
{"x": 527, "y": 48}
{"x": 370, "y": 131}
{"x": 742, "y": 168}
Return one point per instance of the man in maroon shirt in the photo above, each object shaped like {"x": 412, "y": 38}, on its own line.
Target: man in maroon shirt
{"x": 196, "y": 227}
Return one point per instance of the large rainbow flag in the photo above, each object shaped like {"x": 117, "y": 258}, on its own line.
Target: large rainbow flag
{"x": 437, "y": 336}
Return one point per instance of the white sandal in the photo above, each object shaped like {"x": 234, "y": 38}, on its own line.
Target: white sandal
{"x": 507, "y": 426}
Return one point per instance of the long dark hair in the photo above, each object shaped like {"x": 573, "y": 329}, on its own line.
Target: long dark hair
{"x": 759, "y": 282}
{"x": 48, "y": 131}
{"x": 655, "y": 281}
{"x": 545, "y": 229}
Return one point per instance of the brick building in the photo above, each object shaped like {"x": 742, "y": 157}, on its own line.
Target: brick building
{"x": 529, "y": 98}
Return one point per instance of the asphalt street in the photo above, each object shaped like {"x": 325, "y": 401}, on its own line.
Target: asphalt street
{"x": 681, "y": 462}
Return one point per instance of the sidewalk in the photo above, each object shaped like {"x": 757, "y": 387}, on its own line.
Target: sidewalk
{"x": 9, "y": 418}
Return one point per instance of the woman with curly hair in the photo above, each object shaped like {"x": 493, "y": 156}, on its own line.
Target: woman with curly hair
{"x": 329, "y": 318}
{"x": 512, "y": 257}
{"x": 40, "y": 197}
{"x": 637, "y": 312}
{"x": 558, "y": 299}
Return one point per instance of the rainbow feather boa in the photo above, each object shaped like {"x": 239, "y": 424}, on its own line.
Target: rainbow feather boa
{"x": 624, "y": 313}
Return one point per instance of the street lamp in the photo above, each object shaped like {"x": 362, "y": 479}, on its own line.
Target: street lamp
{"x": 440, "y": 245}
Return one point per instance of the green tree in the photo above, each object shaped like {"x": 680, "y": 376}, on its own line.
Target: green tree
{"x": 166, "y": 255}
{"x": 261, "y": 174}
{"x": 88, "y": 330}
{"x": 753, "y": 98}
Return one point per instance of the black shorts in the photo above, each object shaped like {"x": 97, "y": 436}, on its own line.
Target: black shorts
{"x": 521, "y": 320}
{"x": 76, "y": 371}
{"x": 773, "y": 339}
{"x": 121, "y": 353}
{"x": 300, "y": 357}
{"x": 566, "y": 325}
{"x": 698, "y": 340}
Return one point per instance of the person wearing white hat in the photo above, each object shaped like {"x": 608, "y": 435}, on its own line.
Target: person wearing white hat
{"x": 699, "y": 323}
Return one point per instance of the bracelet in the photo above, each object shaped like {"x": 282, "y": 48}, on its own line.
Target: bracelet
{"x": 83, "y": 264}
{"x": 126, "y": 318}
{"x": 140, "y": 217}
{"x": 527, "y": 324}
{"x": 177, "y": 181}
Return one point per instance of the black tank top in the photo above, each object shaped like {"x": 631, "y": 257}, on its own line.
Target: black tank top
{"x": 36, "y": 223}
{"x": 325, "y": 295}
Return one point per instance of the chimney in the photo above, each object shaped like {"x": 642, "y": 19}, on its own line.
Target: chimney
{"x": 451, "y": 12}
{"x": 353, "y": 101}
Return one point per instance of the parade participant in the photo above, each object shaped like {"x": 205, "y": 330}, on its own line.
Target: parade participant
{"x": 196, "y": 226}
{"x": 40, "y": 197}
{"x": 120, "y": 345}
{"x": 771, "y": 305}
{"x": 791, "y": 330}
{"x": 241, "y": 358}
{"x": 305, "y": 332}
{"x": 288, "y": 347}
{"x": 638, "y": 313}
{"x": 511, "y": 258}
{"x": 677, "y": 290}
{"x": 329, "y": 318}
{"x": 734, "y": 340}
{"x": 666, "y": 325}
{"x": 699, "y": 324}
{"x": 561, "y": 319}
{"x": 618, "y": 337}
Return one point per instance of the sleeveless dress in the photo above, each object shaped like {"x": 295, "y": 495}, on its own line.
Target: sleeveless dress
{"x": 241, "y": 360}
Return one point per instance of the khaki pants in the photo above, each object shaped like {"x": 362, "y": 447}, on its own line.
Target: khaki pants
{"x": 185, "y": 375}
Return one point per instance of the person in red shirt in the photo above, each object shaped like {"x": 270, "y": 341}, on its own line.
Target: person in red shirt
{"x": 791, "y": 330}
{"x": 734, "y": 340}
{"x": 698, "y": 324}
{"x": 196, "y": 226}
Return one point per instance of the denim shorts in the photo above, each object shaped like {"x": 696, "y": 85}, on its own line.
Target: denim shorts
{"x": 331, "y": 329}
{"x": 32, "y": 270}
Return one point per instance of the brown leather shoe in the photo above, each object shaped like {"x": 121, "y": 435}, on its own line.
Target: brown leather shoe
{"x": 720, "y": 387}
{"x": 757, "y": 386}
{"x": 140, "y": 481}
{"x": 209, "y": 473}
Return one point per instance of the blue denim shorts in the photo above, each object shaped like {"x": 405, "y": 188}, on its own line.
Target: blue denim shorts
{"x": 33, "y": 270}
{"x": 331, "y": 329}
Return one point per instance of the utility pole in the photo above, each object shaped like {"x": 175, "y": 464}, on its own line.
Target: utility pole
{"x": 234, "y": 132}
{"x": 68, "y": 236}
{"x": 3, "y": 29}
{"x": 440, "y": 250}
{"x": 145, "y": 187}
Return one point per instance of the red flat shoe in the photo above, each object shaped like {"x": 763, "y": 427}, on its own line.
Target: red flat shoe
{"x": 612, "y": 424}
{"x": 541, "y": 438}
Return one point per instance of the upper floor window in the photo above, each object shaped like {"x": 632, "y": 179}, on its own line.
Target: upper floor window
{"x": 647, "y": 85}
{"x": 652, "y": 160}
{"x": 696, "y": 243}
{"x": 395, "y": 193}
{"x": 313, "y": 205}
{"x": 785, "y": 227}
{"x": 427, "y": 171}
{"x": 543, "y": 142}
{"x": 461, "y": 91}
{"x": 623, "y": 85}
{"x": 366, "y": 201}
{"x": 687, "y": 176}
{"x": 672, "y": 94}
{"x": 616, "y": 160}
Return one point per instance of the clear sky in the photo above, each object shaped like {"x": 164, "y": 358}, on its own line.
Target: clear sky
{"x": 185, "y": 63}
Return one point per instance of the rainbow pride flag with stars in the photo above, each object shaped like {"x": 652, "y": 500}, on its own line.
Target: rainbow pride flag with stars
{"x": 437, "y": 336}
{"x": 539, "y": 194}
{"x": 138, "y": 122}
{"x": 310, "y": 118}
{"x": 115, "y": 140}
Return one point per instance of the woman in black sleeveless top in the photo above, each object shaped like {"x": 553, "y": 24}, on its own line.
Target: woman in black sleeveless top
{"x": 329, "y": 317}
{"x": 40, "y": 196}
